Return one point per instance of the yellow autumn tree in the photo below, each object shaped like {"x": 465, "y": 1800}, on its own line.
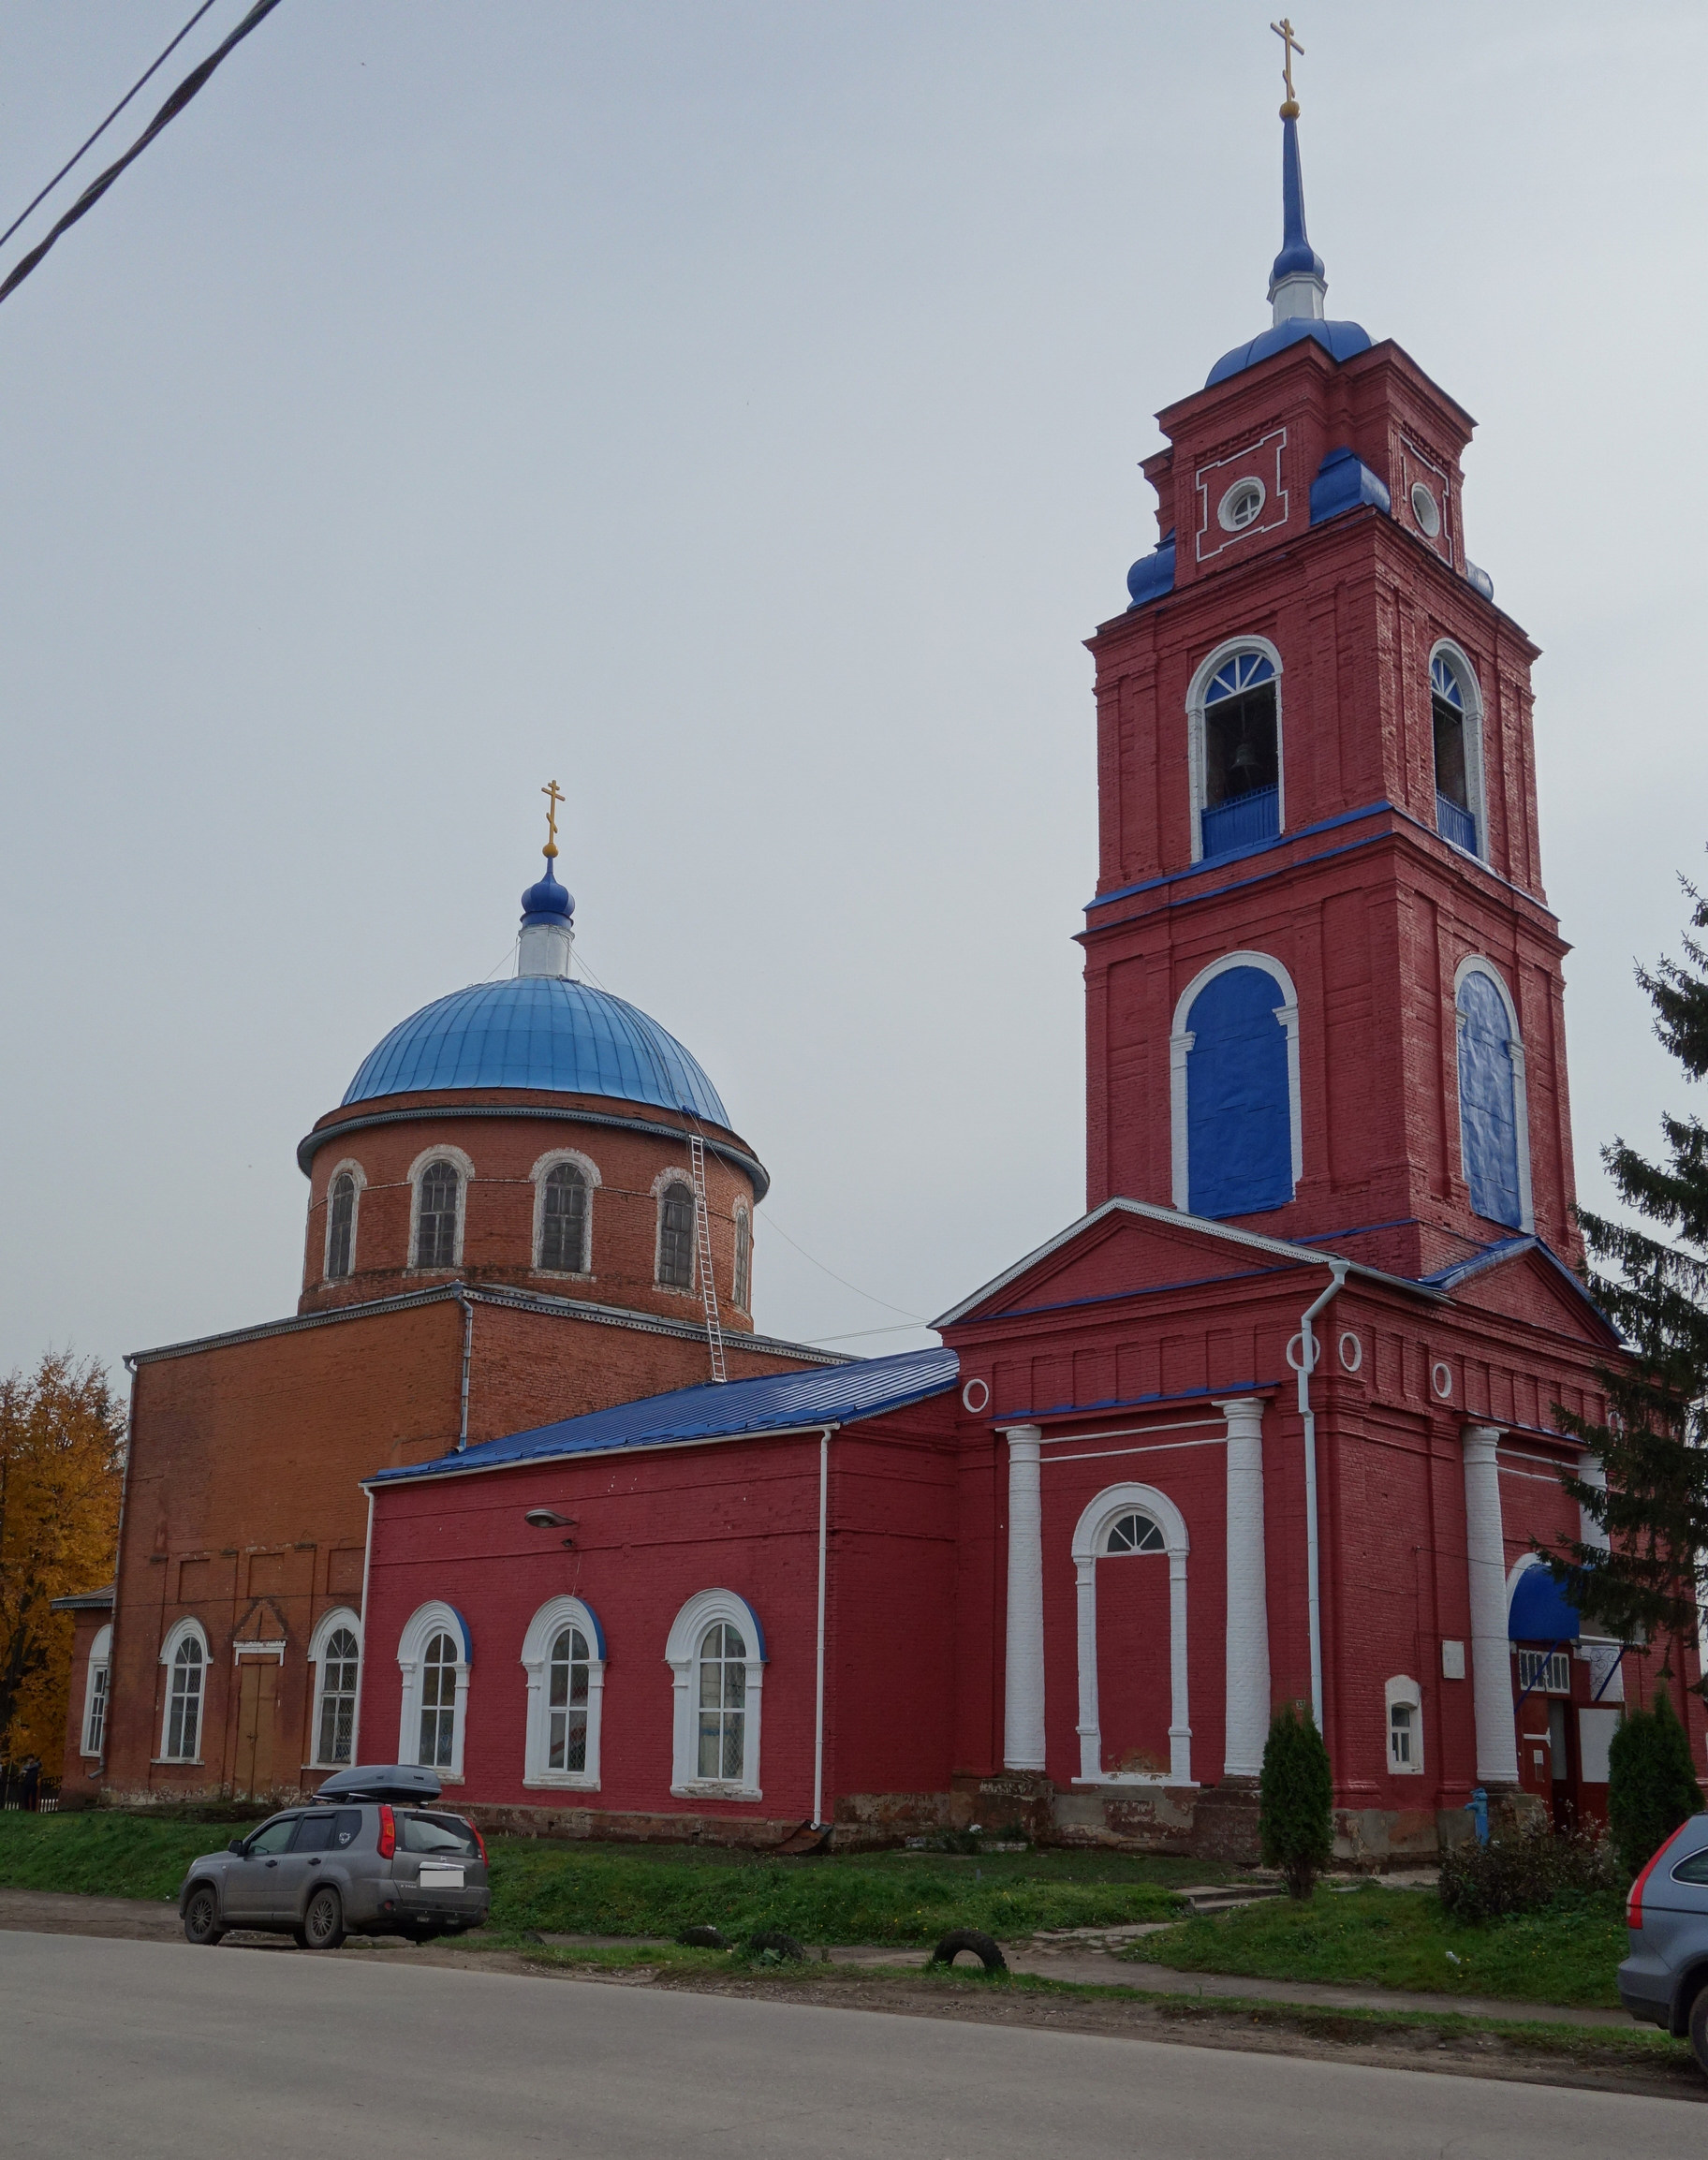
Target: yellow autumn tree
{"x": 62, "y": 1458}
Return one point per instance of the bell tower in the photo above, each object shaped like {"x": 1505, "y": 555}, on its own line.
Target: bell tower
{"x": 1323, "y": 985}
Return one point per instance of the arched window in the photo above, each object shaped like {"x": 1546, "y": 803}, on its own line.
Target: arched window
{"x": 184, "y": 1656}
{"x": 1458, "y": 730}
{"x": 562, "y": 1221}
{"x": 742, "y": 1291}
{"x": 1234, "y": 1091}
{"x": 433, "y": 1658}
{"x": 1134, "y": 1534}
{"x": 1404, "y": 1700}
{"x": 716, "y": 1655}
{"x": 1494, "y": 1120}
{"x": 95, "y": 1689}
{"x": 1235, "y": 731}
{"x": 1143, "y": 1696}
{"x": 341, "y": 1228}
{"x": 676, "y": 1236}
{"x": 438, "y": 1192}
{"x": 334, "y": 1651}
{"x": 564, "y": 1657}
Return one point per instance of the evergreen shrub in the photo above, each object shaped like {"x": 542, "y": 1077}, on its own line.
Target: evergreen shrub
{"x": 1652, "y": 1784}
{"x": 1296, "y": 1793}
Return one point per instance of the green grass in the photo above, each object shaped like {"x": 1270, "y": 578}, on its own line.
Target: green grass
{"x": 1375, "y": 1937}
{"x": 575, "y": 1889}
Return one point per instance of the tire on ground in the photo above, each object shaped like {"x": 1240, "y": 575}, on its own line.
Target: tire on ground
{"x": 1698, "y": 2029}
{"x": 780, "y": 1946}
{"x": 322, "y": 1926}
{"x": 703, "y": 1939}
{"x": 984, "y": 1948}
{"x": 201, "y": 1916}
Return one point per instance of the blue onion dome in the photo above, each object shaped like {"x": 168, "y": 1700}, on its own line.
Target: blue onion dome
{"x": 548, "y": 900}
{"x": 541, "y": 1032}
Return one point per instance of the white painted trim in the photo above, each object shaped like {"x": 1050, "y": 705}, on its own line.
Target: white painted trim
{"x": 681, "y": 1652}
{"x": 1200, "y": 683}
{"x": 1245, "y": 1722}
{"x": 100, "y": 1660}
{"x": 538, "y": 1175}
{"x": 1022, "y": 1729}
{"x": 1485, "y": 1568}
{"x": 1401, "y": 1688}
{"x": 434, "y": 1618}
{"x": 543, "y": 1630}
{"x": 661, "y": 1185}
{"x": 177, "y": 1633}
{"x": 1275, "y": 499}
{"x": 1181, "y": 1039}
{"x": 1090, "y": 1537}
{"x": 346, "y": 1167}
{"x": 182, "y": 1631}
{"x": 274, "y": 1651}
{"x": 466, "y": 1175}
{"x": 1476, "y": 714}
{"x": 1479, "y": 963}
{"x": 328, "y": 1624}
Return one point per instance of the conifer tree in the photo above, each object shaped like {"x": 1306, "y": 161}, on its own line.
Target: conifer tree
{"x": 1653, "y": 1447}
{"x": 1296, "y": 1793}
{"x": 1652, "y": 1784}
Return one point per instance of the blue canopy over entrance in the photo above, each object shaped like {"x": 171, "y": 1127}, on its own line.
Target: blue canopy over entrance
{"x": 1540, "y": 1611}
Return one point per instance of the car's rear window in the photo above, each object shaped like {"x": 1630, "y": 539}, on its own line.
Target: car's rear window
{"x": 328, "y": 1830}
{"x": 439, "y": 1834}
{"x": 1694, "y": 1870}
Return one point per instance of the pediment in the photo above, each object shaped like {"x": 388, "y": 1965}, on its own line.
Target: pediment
{"x": 262, "y": 1622}
{"x": 1530, "y": 1284}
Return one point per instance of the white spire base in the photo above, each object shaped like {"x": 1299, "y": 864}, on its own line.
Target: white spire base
{"x": 1302, "y": 294}
{"x": 544, "y": 948}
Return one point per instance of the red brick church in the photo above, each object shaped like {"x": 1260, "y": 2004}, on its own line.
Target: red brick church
{"x": 519, "y": 1493}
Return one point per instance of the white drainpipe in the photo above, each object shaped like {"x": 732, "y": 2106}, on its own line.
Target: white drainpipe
{"x": 824, "y": 1496}
{"x": 1305, "y": 1365}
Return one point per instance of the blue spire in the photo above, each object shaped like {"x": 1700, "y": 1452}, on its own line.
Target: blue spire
{"x": 1296, "y": 284}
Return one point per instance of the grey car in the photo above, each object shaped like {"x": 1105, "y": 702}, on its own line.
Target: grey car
{"x": 1665, "y": 1979}
{"x": 370, "y": 1854}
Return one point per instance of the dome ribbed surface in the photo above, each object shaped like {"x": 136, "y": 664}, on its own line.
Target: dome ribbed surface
{"x": 537, "y": 1032}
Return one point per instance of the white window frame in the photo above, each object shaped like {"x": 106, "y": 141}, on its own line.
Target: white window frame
{"x": 1179, "y": 1045}
{"x": 682, "y": 1654}
{"x": 1090, "y": 1545}
{"x": 1471, "y": 690}
{"x": 434, "y": 1618}
{"x": 1478, "y": 964}
{"x": 547, "y": 1625}
{"x": 661, "y": 1185}
{"x": 538, "y": 1174}
{"x": 325, "y": 1628}
{"x": 466, "y": 1175}
{"x": 1543, "y": 1671}
{"x": 179, "y": 1632}
{"x": 1403, "y": 1691}
{"x": 100, "y": 1661}
{"x": 351, "y": 1168}
{"x": 1205, "y": 674}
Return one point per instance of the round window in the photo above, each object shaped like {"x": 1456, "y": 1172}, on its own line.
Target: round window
{"x": 1242, "y": 506}
{"x": 1425, "y": 509}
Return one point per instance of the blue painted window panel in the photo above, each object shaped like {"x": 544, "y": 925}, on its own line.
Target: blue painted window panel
{"x": 1488, "y": 1120}
{"x": 1456, "y": 825}
{"x": 1445, "y": 682}
{"x": 1239, "y": 1124}
{"x": 1243, "y": 821}
{"x": 1244, "y": 671}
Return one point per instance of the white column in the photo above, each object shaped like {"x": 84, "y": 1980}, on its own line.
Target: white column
{"x": 1023, "y": 1746}
{"x": 1180, "y": 1152}
{"x": 1486, "y": 1561}
{"x": 1180, "y": 1726}
{"x": 1247, "y": 1719}
{"x": 1090, "y": 1726}
{"x": 1590, "y": 1532}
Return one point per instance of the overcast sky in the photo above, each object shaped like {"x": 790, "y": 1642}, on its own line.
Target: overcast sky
{"x": 734, "y": 411}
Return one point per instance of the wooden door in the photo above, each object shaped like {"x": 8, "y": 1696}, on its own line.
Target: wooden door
{"x": 257, "y": 1717}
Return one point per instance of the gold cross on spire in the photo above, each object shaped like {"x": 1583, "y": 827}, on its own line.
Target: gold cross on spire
{"x": 553, "y": 795}
{"x": 1289, "y": 43}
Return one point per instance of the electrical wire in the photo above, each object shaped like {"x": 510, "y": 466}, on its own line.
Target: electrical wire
{"x": 108, "y": 122}
{"x": 193, "y": 81}
{"x": 772, "y": 1223}
{"x": 902, "y": 1328}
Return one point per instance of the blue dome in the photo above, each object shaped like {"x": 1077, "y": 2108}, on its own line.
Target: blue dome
{"x": 1339, "y": 340}
{"x": 536, "y": 1031}
{"x": 547, "y": 901}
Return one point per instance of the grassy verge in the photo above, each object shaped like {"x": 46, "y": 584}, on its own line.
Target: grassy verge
{"x": 573, "y": 1888}
{"x": 1375, "y": 1937}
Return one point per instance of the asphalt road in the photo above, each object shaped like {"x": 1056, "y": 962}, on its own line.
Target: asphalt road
{"x": 145, "y": 2048}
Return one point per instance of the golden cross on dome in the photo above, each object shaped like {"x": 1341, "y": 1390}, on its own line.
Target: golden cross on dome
{"x": 553, "y": 795}
{"x": 1290, "y": 44}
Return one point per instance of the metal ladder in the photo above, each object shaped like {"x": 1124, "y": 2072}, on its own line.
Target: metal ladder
{"x": 702, "y": 1248}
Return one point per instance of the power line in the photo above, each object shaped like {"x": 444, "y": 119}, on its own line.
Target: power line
{"x": 174, "y": 105}
{"x": 773, "y": 1224}
{"x": 108, "y": 122}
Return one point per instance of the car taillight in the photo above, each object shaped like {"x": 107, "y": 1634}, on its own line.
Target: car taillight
{"x": 479, "y": 1840}
{"x": 388, "y": 1832}
{"x": 1633, "y": 1904}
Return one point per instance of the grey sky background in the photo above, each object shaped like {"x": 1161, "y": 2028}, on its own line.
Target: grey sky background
{"x": 734, "y": 411}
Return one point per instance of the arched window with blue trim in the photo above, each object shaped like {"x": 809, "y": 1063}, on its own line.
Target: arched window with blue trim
{"x": 1455, "y": 726}
{"x": 1240, "y": 755}
{"x": 1491, "y": 1111}
{"x": 1236, "y": 1106}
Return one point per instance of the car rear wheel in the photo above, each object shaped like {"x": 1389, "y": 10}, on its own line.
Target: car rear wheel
{"x": 1699, "y": 2029}
{"x": 201, "y": 1917}
{"x": 322, "y": 1926}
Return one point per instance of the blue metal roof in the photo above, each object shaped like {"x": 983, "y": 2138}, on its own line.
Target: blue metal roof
{"x": 1341, "y": 341}
{"x": 535, "y": 1030}
{"x": 774, "y": 1402}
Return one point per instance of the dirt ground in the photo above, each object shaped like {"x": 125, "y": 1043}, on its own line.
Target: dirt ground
{"x": 1580, "y": 2057}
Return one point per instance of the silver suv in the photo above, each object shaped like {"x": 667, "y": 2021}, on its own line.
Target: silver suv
{"x": 1665, "y": 1979}
{"x": 366, "y": 1856}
